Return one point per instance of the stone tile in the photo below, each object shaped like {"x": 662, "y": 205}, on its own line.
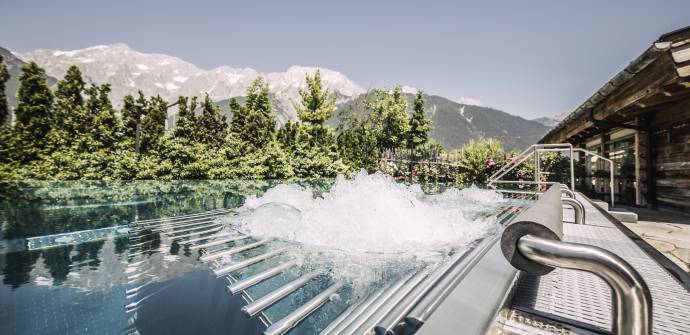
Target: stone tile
{"x": 683, "y": 254}
{"x": 678, "y": 242}
{"x": 662, "y": 246}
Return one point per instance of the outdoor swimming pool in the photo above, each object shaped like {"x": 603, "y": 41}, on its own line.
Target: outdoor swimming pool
{"x": 56, "y": 282}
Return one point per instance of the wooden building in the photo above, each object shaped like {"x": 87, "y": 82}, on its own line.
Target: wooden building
{"x": 641, "y": 120}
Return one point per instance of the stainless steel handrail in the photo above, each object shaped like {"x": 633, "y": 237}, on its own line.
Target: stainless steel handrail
{"x": 568, "y": 193}
{"x": 632, "y": 301}
{"x": 577, "y": 207}
{"x": 611, "y": 171}
{"x": 535, "y": 149}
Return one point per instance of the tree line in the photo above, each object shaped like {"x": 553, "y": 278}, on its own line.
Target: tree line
{"x": 73, "y": 132}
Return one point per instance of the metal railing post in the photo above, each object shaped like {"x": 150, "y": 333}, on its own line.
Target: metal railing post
{"x": 537, "y": 166}
{"x": 632, "y": 301}
{"x": 613, "y": 197}
{"x": 577, "y": 207}
{"x": 611, "y": 171}
{"x": 572, "y": 169}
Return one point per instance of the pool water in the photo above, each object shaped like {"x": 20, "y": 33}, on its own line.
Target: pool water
{"x": 67, "y": 287}
{"x": 66, "y": 254}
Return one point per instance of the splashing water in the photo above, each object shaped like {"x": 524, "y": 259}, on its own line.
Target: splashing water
{"x": 369, "y": 220}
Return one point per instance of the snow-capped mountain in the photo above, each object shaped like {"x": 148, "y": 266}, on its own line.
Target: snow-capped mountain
{"x": 128, "y": 71}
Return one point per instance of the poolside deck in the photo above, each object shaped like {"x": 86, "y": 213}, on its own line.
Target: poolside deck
{"x": 575, "y": 302}
{"x": 668, "y": 232}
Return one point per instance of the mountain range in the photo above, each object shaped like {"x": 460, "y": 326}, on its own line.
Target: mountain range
{"x": 127, "y": 70}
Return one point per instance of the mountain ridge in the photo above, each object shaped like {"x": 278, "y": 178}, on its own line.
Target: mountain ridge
{"x": 455, "y": 122}
{"x": 128, "y": 71}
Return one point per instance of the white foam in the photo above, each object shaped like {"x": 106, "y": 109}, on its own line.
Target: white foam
{"x": 369, "y": 219}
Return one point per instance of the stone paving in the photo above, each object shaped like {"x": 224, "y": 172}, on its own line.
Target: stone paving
{"x": 668, "y": 232}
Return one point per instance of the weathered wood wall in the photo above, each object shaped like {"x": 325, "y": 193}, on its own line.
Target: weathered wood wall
{"x": 672, "y": 155}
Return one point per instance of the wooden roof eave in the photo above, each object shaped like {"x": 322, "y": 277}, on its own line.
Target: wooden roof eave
{"x": 636, "y": 66}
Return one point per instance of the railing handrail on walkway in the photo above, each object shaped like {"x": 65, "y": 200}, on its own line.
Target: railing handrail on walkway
{"x": 611, "y": 170}
{"x": 533, "y": 243}
{"x": 535, "y": 149}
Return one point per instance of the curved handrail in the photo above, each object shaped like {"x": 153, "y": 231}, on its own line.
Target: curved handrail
{"x": 578, "y": 207}
{"x": 632, "y": 300}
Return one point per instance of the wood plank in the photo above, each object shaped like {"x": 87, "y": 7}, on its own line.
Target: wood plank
{"x": 681, "y": 53}
{"x": 684, "y": 71}
{"x": 677, "y": 183}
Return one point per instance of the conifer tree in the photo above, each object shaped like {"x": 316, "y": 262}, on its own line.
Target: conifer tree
{"x": 316, "y": 106}
{"x": 388, "y": 118}
{"x": 104, "y": 126}
{"x": 4, "y": 107}
{"x": 419, "y": 125}
{"x": 212, "y": 123}
{"x": 128, "y": 114}
{"x": 312, "y": 144}
{"x": 254, "y": 122}
{"x": 69, "y": 107}
{"x": 237, "y": 121}
{"x": 33, "y": 113}
{"x": 153, "y": 123}
{"x": 186, "y": 126}
{"x": 357, "y": 142}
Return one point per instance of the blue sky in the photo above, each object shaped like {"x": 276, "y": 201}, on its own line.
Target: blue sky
{"x": 530, "y": 58}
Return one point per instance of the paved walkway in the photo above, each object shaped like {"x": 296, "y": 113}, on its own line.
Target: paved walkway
{"x": 668, "y": 232}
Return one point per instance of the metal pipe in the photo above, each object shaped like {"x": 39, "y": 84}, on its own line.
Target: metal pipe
{"x": 181, "y": 225}
{"x": 247, "y": 262}
{"x": 209, "y": 231}
{"x": 526, "y": 182}
{"x": 215, "y": 229}
{"x": 276, "y": 295}
{"x": 577, "y": 207}
{"x": 537, "y": 166}
{"x": 248, "y": 282}
{"x": 436, "y": 294}
{"x": 284, "y": 325}
{"x": 358, "y": 320}
{"x": 194, "y": 228}
{"x": 572, "y": 169}
{"x": 611, "y": 171}
{"x": 380, "y": 314}
{"x": 177, "y": 222}
{"x": 568, "y": 192}
{"x": 204, "y": 238}
{"x": 351, "y": 313}
{"x": 632, "y": 301}
{"x": 395, "y": 316}
{"x": 220, "y": 242}
{"x": 173, "y": 218}
{"x": 232, "y": 251}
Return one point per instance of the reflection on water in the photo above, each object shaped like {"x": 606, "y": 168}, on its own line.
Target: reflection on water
{"x": 79, "y": 287}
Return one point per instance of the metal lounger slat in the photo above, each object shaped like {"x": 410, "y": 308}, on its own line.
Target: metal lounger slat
{"x": 284, "y": 325}
{"x": 232, "y": 251}
{"x": 247, "y": 262}
{"x": 244, "y": 284}
{"x": 259, "y": 305}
